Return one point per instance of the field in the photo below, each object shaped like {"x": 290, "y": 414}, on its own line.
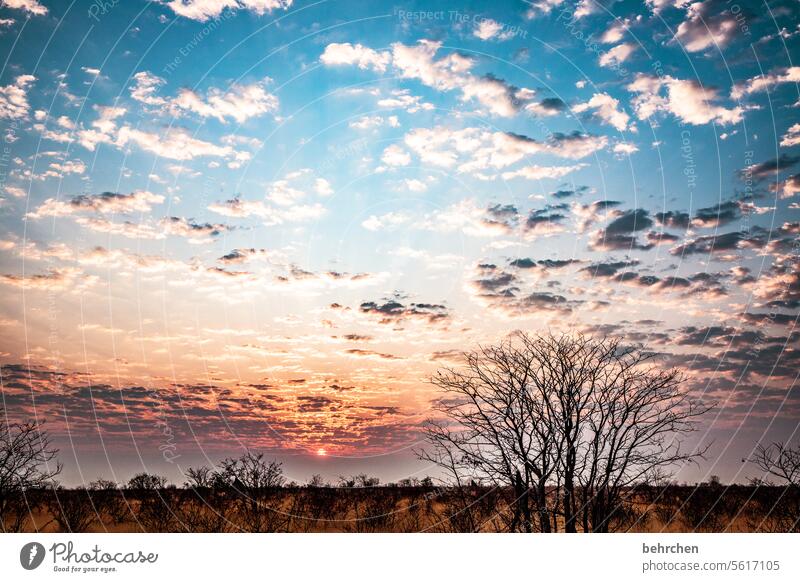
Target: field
{"x": 673, "y": 508}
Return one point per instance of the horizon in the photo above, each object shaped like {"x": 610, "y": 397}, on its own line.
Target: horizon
{"x": 265, "y": 226}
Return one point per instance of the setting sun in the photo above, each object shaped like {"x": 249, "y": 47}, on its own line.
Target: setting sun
{"x": 321, "y": 452}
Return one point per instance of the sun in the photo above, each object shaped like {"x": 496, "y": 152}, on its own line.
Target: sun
{"x": 321, "y": 452}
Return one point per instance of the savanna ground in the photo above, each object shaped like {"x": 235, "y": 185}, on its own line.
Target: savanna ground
{"x": 709, "y": 507}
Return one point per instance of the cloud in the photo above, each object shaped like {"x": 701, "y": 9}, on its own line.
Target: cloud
{"x": 174, "y": 143}
{"x": 53, "y": 280}
{"x": 203, "y": 10}
{"x": 538, "y": 8}
{"x": 792, "y": 136}
{"x": 501, "y": 291}
{"x": 392, "y": 311}
{"x": 605, "y": 108}
{"x": 30, "y": 6}
{"x": 238, "y": 208}
{"x": 451, "y": 72}
{"x": 541, "y": 172}
{"x": 708, "y": 23}
{"x": 105, "y": 203}
{"x": 617, "y": 55}
{"x": 598, "y": 211}
{"x": 14, "y": 98}
{"x": 766, "y": 82}
{"x": 488, "y": 29}
{"x": 472, "y": 219}
{"x": 673, "y": 219}
{"x": 239, "y": 102}
{"x": 403, "y": 99}
{"x": 546, "y": 221}
{"x": 388, "y": 220}
{"x": 686, "y": 99}
{"x": 188, "y": 228}
{"x": 769, "y": 169}
{"x": 474, "y": 150}
{"x": 788, "y": 188}
{"x": 394, "y": 155}
{"x": 719, "y": 243}
{"x": 337, "y": 54}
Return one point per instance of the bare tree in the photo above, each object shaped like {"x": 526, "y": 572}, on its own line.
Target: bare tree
{"x": 779, "y": 512}
{"x": 27, "y": 462}
{"x": 779, "y": 460}
{"x": 568, "y": 423}
{"x": 254, "y": 481}
{"x": 72, "y": 509}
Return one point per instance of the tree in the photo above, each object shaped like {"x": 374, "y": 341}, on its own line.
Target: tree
{"x": 779, "y": 460}
{"x": 780, "y": 512}
{"x": 254, "y": 481}
{"x": 567, "y": 424}
{"x": 72, "y": 509}
{"x": 27, "y": 462}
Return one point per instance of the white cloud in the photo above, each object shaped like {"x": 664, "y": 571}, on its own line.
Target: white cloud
{"x": 625, "y": 148}
{"x": 402, "y": 99}
{"x": 488, "y": 29}
{"x": 347, "y": 54}
{"x": 239, "y": 102}
{"x": 14, "y": 98}
{"x": 766, "y": 82}
{"x": 106, "y": 203}
{"x": 238, "y": 208}
{"x": 144, "y": 88}
{"x": 202, "y": 10}
{"x": 373, "y": 121}
{"x": 792, "y": 136}
{"x": 473, "y": 150}
{"x": 415, "y": 185}
{"x": 394, "y": 155}
{"x": 685, "y": 99}
{"x": 174, "y": 144}
{"x": 605, "y": 108}
{"x": 542, "y": 172}
{"x": 389, "y": 220}
{"x": 708, "y": 23}
{"x": 540, "y": 7}
{"x": 30, "y": 6}
{"x": 448, "y": 73}
{"x": 617, "y": 55}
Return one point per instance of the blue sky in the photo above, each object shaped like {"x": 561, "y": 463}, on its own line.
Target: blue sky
{"x": 267, "y": 222}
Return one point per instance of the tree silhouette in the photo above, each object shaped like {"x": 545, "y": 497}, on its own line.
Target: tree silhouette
{"x": 27, "y": 462}
{"x": 568, "y": 424}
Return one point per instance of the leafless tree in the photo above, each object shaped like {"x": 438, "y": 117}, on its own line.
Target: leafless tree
{"x": 109, "y": 500}
{"x": 27, "y": 462}
{"x": 254, "y": 481}
{"x": 72, "y": 509}
{"x": 780, "y": 512}
{"x": 779, "y": 460}
{"x": 567, "y": 423}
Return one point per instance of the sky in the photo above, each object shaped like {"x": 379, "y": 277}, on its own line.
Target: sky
{"x": 263, "y": 224}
